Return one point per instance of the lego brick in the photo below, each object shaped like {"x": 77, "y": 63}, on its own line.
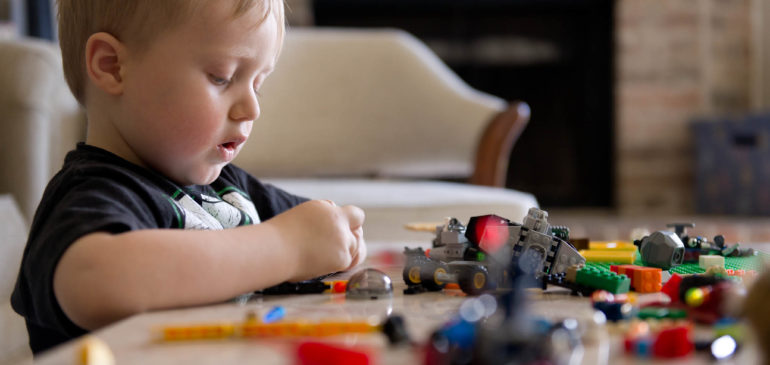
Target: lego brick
{"x": 572, "y": 273}
{"x": 625, "y": 257}
{"x": 672, "y": 287}
{"x": 606, "y": 280}
{"x": 318, "y": 353}
{"x": 647, "y": 280}
{"x": 623, "y": 269}
{"x": 661, "y": 313}
{"x": 707, "y": 261}
{"x": 643, "y": 279}
{"x": 612, "y": 245}
{"x": 673, "y": 342}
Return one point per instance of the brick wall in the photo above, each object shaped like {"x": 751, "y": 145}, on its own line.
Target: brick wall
{"x": 676, "y": 60}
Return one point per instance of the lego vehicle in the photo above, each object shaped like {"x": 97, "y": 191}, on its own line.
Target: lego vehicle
{"x": 477, "y": 257}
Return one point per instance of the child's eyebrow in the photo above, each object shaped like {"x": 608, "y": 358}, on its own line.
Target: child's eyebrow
{"x": 247, "y": 54}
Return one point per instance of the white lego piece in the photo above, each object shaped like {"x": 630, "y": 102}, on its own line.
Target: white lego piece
{"x": 707, "y": 261}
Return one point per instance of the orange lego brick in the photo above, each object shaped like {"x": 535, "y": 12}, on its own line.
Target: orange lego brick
{"x": 643, "y": 279}
{"x": 647, "y": 280}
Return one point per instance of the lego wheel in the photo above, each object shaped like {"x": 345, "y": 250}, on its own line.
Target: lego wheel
{"x": 412, "y": 274}
{"x": 474, "y": 280}
{"x": 429, "y": 275}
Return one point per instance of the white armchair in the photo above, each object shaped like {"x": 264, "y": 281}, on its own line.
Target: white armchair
{"x": 40, "y": 119}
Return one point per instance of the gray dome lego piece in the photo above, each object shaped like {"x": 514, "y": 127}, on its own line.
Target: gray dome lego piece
{"x": 369, "y": 284}
{"x": 662, "y": 249}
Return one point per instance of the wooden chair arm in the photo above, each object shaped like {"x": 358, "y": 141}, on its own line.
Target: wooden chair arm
{"x": 494, "y": 148}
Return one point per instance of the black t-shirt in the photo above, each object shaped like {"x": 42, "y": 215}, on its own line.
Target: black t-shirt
{"x": 97, "y": 191}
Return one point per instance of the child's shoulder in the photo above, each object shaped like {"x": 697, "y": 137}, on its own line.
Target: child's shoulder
{"x": 91, "y": 166}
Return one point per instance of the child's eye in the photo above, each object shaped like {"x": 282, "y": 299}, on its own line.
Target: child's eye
{"x": 221, "y": 81}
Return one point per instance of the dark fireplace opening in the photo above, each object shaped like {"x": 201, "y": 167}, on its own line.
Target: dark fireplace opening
{"x": 557, "y": 55}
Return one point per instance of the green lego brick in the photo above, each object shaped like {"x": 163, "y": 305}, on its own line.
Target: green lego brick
{"x": 661, "y": 312}
{"x": 603, "y": 279}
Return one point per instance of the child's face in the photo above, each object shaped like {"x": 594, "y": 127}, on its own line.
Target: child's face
{"x": 190, "y": 99}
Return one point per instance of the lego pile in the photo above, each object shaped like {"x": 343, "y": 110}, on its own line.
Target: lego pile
{"x": 702, "y": 283}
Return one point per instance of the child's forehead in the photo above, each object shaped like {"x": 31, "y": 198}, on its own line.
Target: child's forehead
{"x": 218, "y": 33}
{"x": 211, "y": 15}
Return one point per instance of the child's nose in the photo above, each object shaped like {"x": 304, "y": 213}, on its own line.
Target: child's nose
{"x": 246, "y": 108}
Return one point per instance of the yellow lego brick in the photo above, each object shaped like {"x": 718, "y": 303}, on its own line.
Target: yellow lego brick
{"x": 611, "y": 245}
{"x": 622, "y": 257}
{"x": 198, "y": 332}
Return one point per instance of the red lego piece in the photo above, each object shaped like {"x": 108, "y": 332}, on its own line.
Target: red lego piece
{"x": 622, "y": 269}
{"x": 339, "y": 286}
{"x": 317, "y": 353}
{"x": 672, "y": 287}
{"x": 711, "y": 309}
{"x": 673, "y": 342}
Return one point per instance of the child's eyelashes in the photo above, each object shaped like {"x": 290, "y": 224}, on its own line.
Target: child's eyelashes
{"x": 219, "y": 81}
{"x": 224, "y": 81}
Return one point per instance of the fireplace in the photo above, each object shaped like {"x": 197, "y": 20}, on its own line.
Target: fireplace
{"x": 557, "y": 55}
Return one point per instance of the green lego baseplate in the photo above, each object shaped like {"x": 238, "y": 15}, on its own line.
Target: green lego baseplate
{"x": 755, "y": 263}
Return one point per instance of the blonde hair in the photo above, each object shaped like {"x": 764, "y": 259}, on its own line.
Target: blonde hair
{"x": 134, "y": 22}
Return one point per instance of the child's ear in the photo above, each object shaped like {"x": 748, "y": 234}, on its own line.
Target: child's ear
{"x": 104, "y": 62}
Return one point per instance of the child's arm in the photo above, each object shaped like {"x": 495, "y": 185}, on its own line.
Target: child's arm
{"x": 104, "y": 277}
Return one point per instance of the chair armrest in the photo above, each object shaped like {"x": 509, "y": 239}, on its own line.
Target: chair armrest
{"x": 494, "y": 148}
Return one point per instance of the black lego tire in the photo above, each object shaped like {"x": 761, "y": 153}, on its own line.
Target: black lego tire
{"x": 412, "y": 272}
{"x": 474, "y": 280}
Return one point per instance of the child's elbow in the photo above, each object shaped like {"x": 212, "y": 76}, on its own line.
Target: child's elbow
{"x": 84, "y": 295}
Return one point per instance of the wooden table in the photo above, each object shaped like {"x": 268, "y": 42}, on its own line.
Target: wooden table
{"x": 132, "y": 340}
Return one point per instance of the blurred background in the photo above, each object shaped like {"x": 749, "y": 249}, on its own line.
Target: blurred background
{"x": 638, "y": 106}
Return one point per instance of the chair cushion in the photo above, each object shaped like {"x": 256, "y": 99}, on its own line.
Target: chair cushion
{"x": 390, "y": 204}
{"x": 13, "y": 235}
{"x": 364, "y": 102}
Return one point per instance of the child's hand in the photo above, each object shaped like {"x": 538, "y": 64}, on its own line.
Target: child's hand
{"x": 324, "y": 237}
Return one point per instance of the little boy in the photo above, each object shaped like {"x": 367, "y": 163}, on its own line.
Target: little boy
{"x": 170, "y": 92}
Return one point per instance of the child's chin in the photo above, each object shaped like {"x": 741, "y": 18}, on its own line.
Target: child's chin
{"x": 205, "y": 177}
{"x": 210, "y": 178}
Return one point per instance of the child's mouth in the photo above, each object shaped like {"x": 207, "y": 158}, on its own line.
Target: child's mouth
{"x": 227, "y": 150}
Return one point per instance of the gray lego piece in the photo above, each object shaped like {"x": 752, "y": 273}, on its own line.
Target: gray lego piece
{"x": 461, "y": 255}
{"x": 537, "y": 250}
{"x": 369, "y": 284}
{"x": 662, "y": 249}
